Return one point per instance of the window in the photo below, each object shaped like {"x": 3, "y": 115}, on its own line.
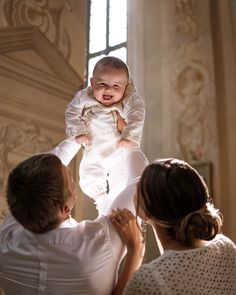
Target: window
{"x": 107, "y": 31}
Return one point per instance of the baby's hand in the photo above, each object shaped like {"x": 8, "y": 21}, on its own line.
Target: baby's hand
{"x": 83, "y": 139}
{"x": 124, "y": 142}
{"x": 120, "y": 122}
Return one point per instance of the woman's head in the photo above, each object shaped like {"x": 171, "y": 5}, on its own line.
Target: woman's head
{"x": 172, "y": 194}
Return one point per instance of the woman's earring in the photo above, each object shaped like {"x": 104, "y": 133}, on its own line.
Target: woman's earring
{"x": 144, "y": 230}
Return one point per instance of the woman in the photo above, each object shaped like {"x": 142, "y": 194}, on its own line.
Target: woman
{"x": 195, "y": 257}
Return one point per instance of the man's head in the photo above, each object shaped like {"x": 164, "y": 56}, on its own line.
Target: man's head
{"x": 110, "y": 79}
{"x": 40, "y": 192}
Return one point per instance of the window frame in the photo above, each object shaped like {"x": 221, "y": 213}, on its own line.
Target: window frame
{"x": 108, "y": 48}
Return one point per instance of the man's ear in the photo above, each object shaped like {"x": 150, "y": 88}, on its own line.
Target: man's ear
{"x": 64, "y": 213}
{"x": 65, "y": 210}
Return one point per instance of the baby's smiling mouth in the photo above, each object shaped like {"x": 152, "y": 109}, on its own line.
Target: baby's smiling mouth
{"x": 107, "y": 97}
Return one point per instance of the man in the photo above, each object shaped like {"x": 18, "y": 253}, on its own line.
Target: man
{"x": 43, "y": 250}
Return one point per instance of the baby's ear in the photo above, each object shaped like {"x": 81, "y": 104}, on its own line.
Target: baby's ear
{"x": 91, "y": 81}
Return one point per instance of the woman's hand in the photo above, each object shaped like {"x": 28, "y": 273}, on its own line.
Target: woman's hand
{"x": 131, "y": 234}
{"x": 129, "y": 230}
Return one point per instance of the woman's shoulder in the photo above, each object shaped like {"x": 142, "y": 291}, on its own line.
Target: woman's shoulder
{"x": 149, "y": 268}
{"x": 223, "y": 241}
{"x": 146, "y": 280}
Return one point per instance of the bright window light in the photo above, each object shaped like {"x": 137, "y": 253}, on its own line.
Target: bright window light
{"x": 97, "y": 40}
{"x": 92, "y": 62}
{"x": 120, "y": 53}
{"x": 107, "y": 31}
{"x": 117, "y": 22}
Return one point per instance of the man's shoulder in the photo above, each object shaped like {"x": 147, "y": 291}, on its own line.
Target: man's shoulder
{"x": 70, "y": 230}
{"x": 8, "y": 223}
{"x": 93, "y": 227}
{"x": 84, "y": 230}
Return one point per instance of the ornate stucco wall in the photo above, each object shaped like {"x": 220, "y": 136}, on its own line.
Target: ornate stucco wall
{"x": 185, "y": 69}
{"x": 42, "y": 62}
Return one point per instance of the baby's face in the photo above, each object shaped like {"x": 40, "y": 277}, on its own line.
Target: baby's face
{"x": 109, "y": 85}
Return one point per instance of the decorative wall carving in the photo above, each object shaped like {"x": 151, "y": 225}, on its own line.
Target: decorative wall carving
{"x": 34, "y": 13}
{"x": 187, "y": 21}
{"x": 40, "y": 14}
{"x": 29, "y": 89}
{"x": 37, "y": 77}
{"x": 23, "y": 139}
{"x": 192, "y": 132}
{"x": 192, "y": 93}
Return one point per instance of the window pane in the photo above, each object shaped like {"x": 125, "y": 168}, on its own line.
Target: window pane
{"x": 91, "y": 65}
{"x": 97, "y": 40}
{"x": 120, "y": 53}
{"x": 117, "y": 22}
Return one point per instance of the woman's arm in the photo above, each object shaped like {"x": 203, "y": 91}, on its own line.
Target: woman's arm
{"x": 131, "y": 234}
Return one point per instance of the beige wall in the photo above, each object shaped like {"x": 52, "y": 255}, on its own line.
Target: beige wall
{"x": 223, "y": 35}
{"x": 185, "y": 69}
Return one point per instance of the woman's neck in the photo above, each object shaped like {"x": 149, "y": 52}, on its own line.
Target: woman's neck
{"x": 166, "y": 242}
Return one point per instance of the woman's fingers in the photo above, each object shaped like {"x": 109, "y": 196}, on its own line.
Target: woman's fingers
{"x": 121, "y": 217}
{"x": 126, "y": 224}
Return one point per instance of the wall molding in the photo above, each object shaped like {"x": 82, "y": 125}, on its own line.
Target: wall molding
{"x": 14, "y": 39}
{"x": 25, "y": 74}
{"x": 11, "y": 103}
{"x": 46, "y": 15}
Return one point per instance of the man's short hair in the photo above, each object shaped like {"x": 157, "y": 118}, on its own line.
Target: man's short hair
{"x": 35, "y": 192}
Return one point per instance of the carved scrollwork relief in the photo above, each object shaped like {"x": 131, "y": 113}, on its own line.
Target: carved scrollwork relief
{"x": 40, "y": 14}
{"x": 187, "y": 21}
{"x": 22, "y": 139}
{"x": 34, "y": 13}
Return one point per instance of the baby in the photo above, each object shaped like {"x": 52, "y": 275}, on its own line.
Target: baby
{"x": 107, "y": 119}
